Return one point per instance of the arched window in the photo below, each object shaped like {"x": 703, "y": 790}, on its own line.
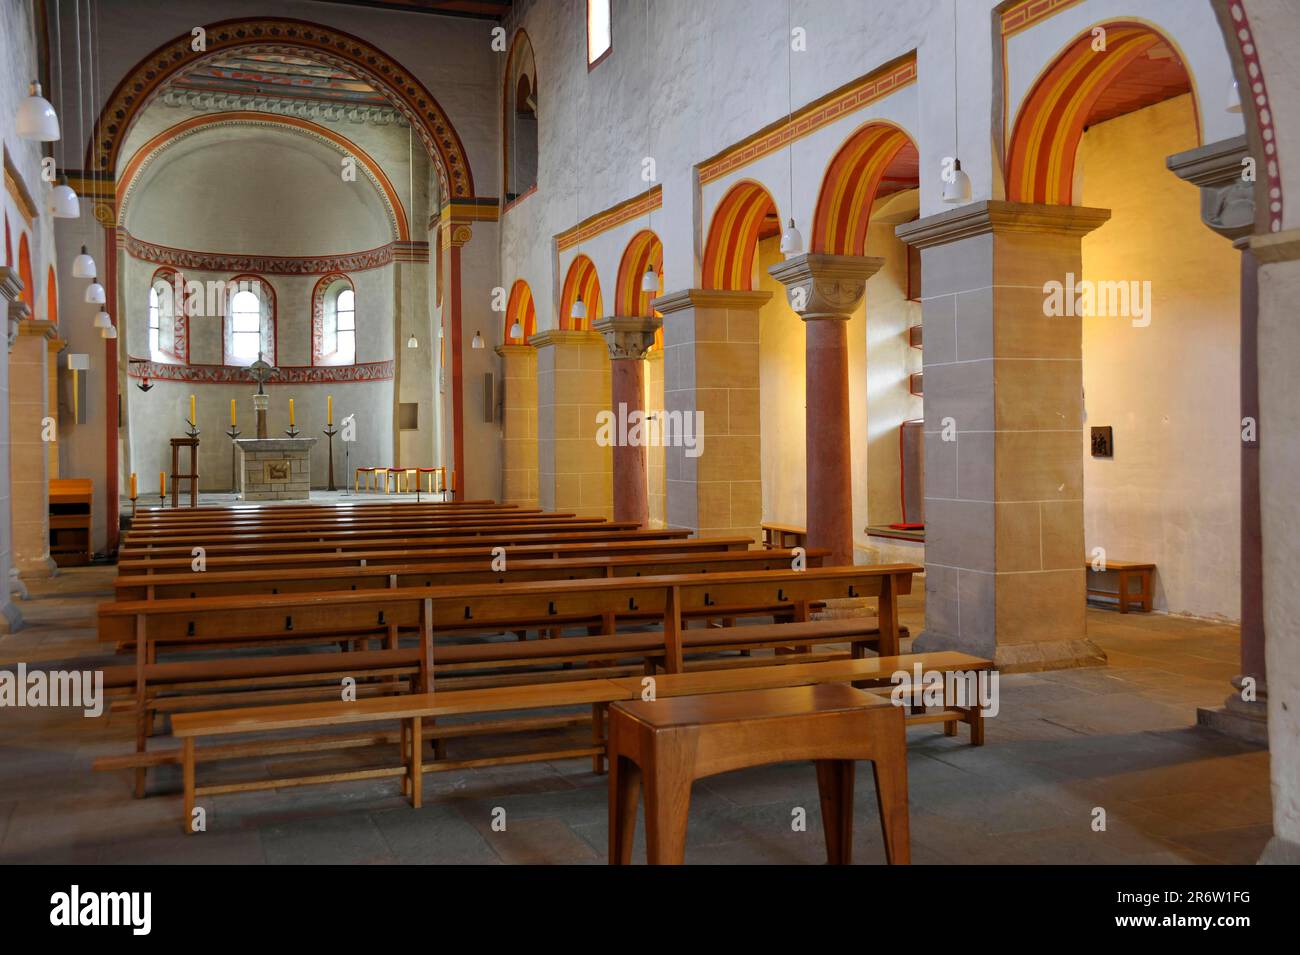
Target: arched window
{"x": 600, "y": 35}
{"x": 520, "y": 119}
{"x": 334, "y": 321}
{"x": 250, "y": 321}
{"x": 167, "y": 324}
{"x": 154, "y": 351}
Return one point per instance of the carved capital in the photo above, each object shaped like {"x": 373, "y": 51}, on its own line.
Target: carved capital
{"x": 628, "y": 336}
{"x": 11, "y": 284}
{"x": 1224, "y": 173}
{"x": 821, "y": 286}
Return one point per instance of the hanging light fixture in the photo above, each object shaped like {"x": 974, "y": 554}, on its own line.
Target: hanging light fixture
{"x": 957, "y": 187}
{"x": 36, "y": 118}
{"x": 791, "y": 240}
{"x": 63, "y": 202}
{"x": 478, "y": 341}
{"x": 517, "y": 330}
{"x": 579, "y": 310}
{"x": 83, "y": 266}
{"x": 95, "y": 292}
{"x": 412, "y": 342}
{"x": 1234, "y": 98}
{"x": 103, "y": 320}
{"x": 110, "y": 332}
{"x": 650, "y": 281}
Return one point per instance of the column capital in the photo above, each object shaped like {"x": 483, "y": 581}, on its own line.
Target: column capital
{"x": 820, "y": 286}
{"x": 709, "y": 298}
{"x": 11, "y": 284}
{"x": 992, "y": 216}
{"x": 41, "y": 329}
{"x": 1276, "y": 246}
{"x": 559, "y": 336}
{"x": 517, "y": 351}
{"x": 1227, "y": 196}
{"x": 628, "y": 336}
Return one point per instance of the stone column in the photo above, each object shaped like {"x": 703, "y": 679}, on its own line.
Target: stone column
{"x": 12, "y": 311}
{"x": 1228, "y": 208}
{"x": 654, "y": 376}
{"x": 29, "y": 461}
{"x": 519, "y": 425}
{"x": 1004, "y": 546}
{"x": 713, "y": 481}
{"x": 629, "y": 339}
{"x": 825, "y": 291}
{"x": 573, "y": 471}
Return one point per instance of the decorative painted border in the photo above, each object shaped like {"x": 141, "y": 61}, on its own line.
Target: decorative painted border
{"x": 1022, "y": 16}
{"x": 1263, "y": 110}
{"x": 237, "y": 375}
{"x": 292, "y": 37}
{"x": 191, "y": 260}
{"x": 817, "y": 114}
{"x": 614, "y": 216}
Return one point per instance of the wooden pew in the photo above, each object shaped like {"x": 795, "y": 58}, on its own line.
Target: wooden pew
{"x": 676, "y": 543}
{"x": 412, "y": 712}
{"x": 253, "y": 509}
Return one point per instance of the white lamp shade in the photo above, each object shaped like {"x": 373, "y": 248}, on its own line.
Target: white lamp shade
{"x": 83, "y": 266}
{"x": 36, "y": 118}
{"x": 109, "y": 332}
{"x": 478, "y": 341}
{"x": 791, "y": 240}
{"x": 1234, "y": 98}
{"x": 650, "y": 281}
{"x": 516, "y": 330}
{"x": 412, "y": 342}
{"x": 579, "y": 309}
{"x": 95, "y": 292}
{"x": 103, "y": 320}
{"x": 63, "y": 202}
{"x": 957, "y": 189}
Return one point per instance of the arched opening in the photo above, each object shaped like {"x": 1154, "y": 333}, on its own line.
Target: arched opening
{"x": 746, "y": 214}
{"x": 167, "y": 318}
{"x": 520, "y": 311}
{"x": 519, "y": 119}
{"x": 334, "y": 321}
{"x": 581, "y": 284}
{"x": 644, "y": 253}
{"x": 248, "y": 326}
{"x": 28, "y": 294}
{"x": 51, "y": 296}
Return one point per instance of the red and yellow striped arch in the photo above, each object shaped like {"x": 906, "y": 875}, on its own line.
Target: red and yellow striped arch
{"x": 520, "y": 308}
{"x": 642, "y": 252}
{"x": 849, "y": 188}
{"x": 1045, "y": 139}
{"x": 733, "y": 234}
{"x": 581, "y": 280}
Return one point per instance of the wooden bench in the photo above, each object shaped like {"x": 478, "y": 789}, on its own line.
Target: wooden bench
{"x": 242, "y": 509}
{"x": 784, "y": 535}
{"x": 416, "y": 711}
{"x": 1125, "y": 570}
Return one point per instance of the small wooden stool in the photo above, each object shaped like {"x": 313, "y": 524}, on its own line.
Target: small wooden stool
{"x": 393, "y": 478}
{"x": 192, "y": 476}
{"x": 369, "y": 473}
{"x": 667, "y": 744}
{"x": 439, "y": 472}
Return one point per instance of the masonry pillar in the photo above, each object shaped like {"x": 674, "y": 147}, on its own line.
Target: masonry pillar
{"x": 654, "y": 380}
{"x": 519, "y": 425}
{"x": 713, "y": 484}
{"x": 12, "y": 312}
{"x": 629, "y": 339}
{"x": 1228, "y": 208}
{"x": 1004, "y": 546}
{"x": 573, "y": 386}
{"x": 29, "y": 461}
{"x": 825, "y": 291}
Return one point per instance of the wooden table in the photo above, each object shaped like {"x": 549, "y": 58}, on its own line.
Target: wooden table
{"x": 664, "y": 745}
{"x": 192, "y": 476}
{"x": 1125, "y": 569}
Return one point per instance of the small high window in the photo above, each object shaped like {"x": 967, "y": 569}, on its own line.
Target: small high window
{"x": 600, "y": 37}
{"x": 154, "y": 351}
{"x": 245, "y": 327}
{"x": 345, "y": 327}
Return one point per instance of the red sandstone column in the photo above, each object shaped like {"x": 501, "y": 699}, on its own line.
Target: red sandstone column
{"x": 825, "y": 290}
{"x": 628, "y": 339}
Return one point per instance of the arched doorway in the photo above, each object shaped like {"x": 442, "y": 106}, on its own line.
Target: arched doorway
{"x": 581, "y": 284}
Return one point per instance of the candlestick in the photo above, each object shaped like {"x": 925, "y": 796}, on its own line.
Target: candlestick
{"x": 232, "y": 412}
{"x": 193, "y": 420}
{"x": 162, "y": 483}
{"x": 329, "y": 410}
{"x": 291, "y": 421}
{"x": 329, "y": 432}
{"x": 134, "y": 495}
{"x": 232, "y": 434}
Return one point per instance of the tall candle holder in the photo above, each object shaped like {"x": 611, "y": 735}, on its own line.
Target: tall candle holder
{"x": 162, "y": 500}
{"x": 132, "y": 500}
{"x": 292, "y": 431}
{"x": 232, "y": 433}
{"x": 329, "y": 432}
{"x": 191, "y": 430}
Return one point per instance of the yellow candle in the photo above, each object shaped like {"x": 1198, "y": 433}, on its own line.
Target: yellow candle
{"x": 162, "y": 483}
{"x": 133, "y": 493}
{"x": 291, "y": 422}
{"x": 232, "y": 412}
{"x": 329, "y": 409}
{"x": 193, "y": 419}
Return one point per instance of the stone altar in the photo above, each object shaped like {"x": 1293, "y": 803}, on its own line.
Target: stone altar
{"x": 274, "y": 469}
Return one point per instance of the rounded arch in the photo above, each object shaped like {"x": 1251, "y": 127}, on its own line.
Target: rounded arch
{"x": 520, "y": 308}
{"x": 28, "y": 294}
{"x": 1063, "y": 101}
{"x": 149, "y": 152}
{"x": 581, "y": 282}
{"x": 874, "y": 153}
{"x": 319, "y": 295}
{"x": 51, "y": 296}
{"x": 733, "y": 234}
{"x": 644, "y": 251}
{"x": 267, "y": 294}
{"x": 179, "y": 337}
{"x": 519, "y": 119}
{"x": 283, "y": 35}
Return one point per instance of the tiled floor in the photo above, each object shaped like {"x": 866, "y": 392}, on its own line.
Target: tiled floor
{"x": 1121, "y": 739}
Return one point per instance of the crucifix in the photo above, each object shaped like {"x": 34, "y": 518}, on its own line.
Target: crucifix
{"x": 261, "y": 371}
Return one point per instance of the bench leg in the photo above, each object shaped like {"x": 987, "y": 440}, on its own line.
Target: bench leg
{"x": 976, "y": 715}
{"x": 890, "y": 769}
{"x": 835, "y": 786}
{"x": 598, "y": 736}
{"x": 624, "y": 783}
{"x": 1146, "y": 591}
{"x": 1123, "y": 592}
{"x": 187, "y": 773}
{"x": 417, "y": 766}
{"x": 667, "y": 804}
{"x": 404, "y": 747}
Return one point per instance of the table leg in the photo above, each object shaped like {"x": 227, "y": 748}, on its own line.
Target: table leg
{"x": 1123, "y": 592}
{"x": 624, "y": 783}
{"x": 667, "y": 790}
{"x": 1146, "y": 591}
{"x": 835, "y": 786}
